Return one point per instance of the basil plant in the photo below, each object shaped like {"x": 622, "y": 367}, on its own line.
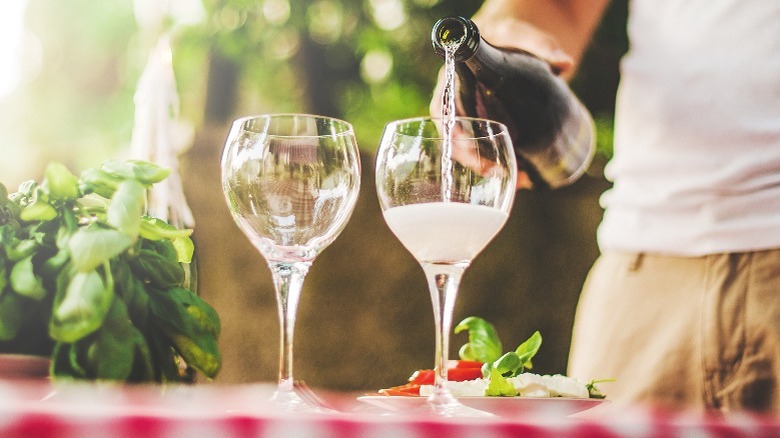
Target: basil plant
{"x": 89, "y": 280}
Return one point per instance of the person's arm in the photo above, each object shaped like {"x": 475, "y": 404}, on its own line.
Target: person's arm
{"x": 557, "y": 31}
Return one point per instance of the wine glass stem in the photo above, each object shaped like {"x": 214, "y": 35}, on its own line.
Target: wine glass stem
{"x": 288, "y": 281}
{"x": 443, "y": 282}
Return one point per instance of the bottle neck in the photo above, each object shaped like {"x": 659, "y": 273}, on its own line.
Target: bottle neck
{"x": 457, "y": 35}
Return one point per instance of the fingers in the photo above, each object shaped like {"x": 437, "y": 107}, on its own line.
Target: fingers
{"x": 523, "y": 181}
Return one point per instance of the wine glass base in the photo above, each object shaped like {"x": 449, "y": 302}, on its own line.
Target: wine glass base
{"x": 445, "y": 405}
{"x": 301, "y": 399}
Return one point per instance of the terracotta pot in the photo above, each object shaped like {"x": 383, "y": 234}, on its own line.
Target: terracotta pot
{"x": 23, "y": 367}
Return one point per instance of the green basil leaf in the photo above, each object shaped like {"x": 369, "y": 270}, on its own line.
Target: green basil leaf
{"x": 153, "y": 228}
{"x": 6, "y": 212}
{"x": 3, "y": 274}
{"x": 94, "y": 180}
{"x": 185, "y": 248}
{"x": 508, "y": 364}
{"x": 55, "y": 263}
{"x": 13, "y": 210}
{"x": 192, "y": 325}
{"x": 126, "y": 207}
{"x": 484, "y": 344}
{"x": 148, "y": 172}
{"x": 114, "y": 346}
{"x": 62, "y": 184}
{"x": 528, "y": 349}
{"x": 201, "y": 353}
{"x": 160, "y": 271}
{"x": 593, "y": 391}
{"x": 61, "y": 363}
{"x": 91, "y": 246}
{"x": 165, "y": 359}
{"x": 205, "y": 315}
{"x": 499, "y": 386}
{"x": 143, "y": 366}
{"x": 142, "y": 171}
{"x": 22, "y": 249}
{"x": 117, "y": 168}
{"x": 82, "y": 308}
{"x": 11, "y": 316}
{"x": 133, "y": 293}
{"x": 163, "y": 247}
{"x": 38, "y": 211}
{"x": 185, "y": 312}
{"x": 24, "y": 280}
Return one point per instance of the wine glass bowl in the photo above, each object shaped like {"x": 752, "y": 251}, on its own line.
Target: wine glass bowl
{"x": 291, "y": 182}
{"x": 445, "y": 188}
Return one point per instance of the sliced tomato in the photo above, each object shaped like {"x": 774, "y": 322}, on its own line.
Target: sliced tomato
{"x": 463, "y": 374}
{"x": 407, "y": 390}
{"x": 423, "y": 377}
{"x": 464, "y": 364}
{"x": 457, "y": 371}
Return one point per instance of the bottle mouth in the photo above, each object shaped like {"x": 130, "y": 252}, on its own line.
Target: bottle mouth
{"x": 457, "y": 35}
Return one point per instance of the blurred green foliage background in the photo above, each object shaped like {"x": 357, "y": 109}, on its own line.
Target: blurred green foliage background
{"x": 365, "y": 319}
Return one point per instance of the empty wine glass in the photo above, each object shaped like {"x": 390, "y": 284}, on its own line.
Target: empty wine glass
{"x": 445, "y": 196}
{"x": 291, "y": 182}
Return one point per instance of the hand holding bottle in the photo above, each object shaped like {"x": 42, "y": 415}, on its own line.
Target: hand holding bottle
{"x": 551, "y": 130}
{"x": 513, "y": 33}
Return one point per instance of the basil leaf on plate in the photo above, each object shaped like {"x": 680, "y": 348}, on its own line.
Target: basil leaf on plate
{"x": 508, "y": 364}
{"x": 528, "y": 349}
{"x": 484, "y": 344}
{"x": 499, "y": 386}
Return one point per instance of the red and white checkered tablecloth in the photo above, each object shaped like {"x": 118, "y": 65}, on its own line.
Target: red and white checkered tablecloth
{"x": 207, "y": 410}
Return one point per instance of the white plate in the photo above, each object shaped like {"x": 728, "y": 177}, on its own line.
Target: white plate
{"x": 501, "y": 406}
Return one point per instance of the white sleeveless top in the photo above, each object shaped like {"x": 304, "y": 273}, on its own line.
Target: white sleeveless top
{"x": 696, "y": 168}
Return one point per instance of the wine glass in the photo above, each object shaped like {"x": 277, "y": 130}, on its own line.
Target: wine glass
{"x": 445, "y": 189}
{"x": 291, "y": 182}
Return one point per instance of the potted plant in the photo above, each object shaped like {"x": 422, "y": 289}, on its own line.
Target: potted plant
{"x": 91, "y": 282}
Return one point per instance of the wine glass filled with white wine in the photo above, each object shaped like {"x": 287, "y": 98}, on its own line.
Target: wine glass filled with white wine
{"x": 445, "y": 189}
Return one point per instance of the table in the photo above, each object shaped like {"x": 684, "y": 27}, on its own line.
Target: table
{"x": 41, "y": 409}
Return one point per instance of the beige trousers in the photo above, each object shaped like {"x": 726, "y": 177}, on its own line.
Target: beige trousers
{"x": 698, "y": 332}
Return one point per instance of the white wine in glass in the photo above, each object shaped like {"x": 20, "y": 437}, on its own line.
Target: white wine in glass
{"x": 445, "y": 196}
{"x": 291, "y": 182}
